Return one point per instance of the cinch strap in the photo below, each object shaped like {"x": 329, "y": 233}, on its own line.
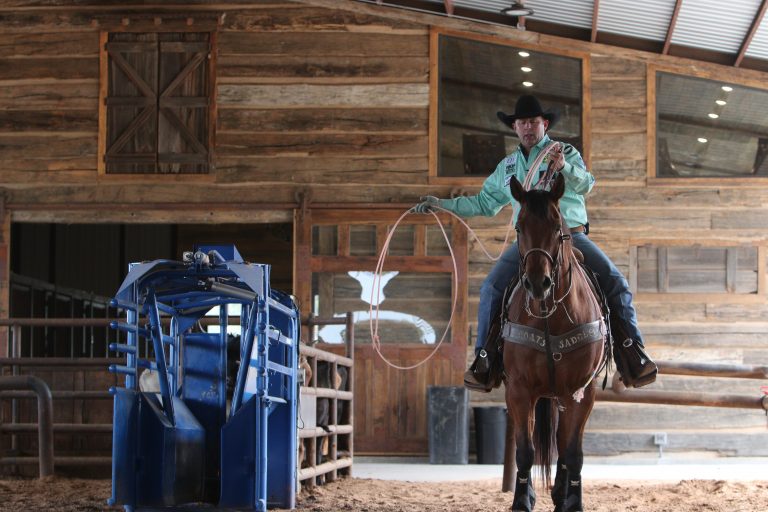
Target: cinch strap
{"x": 534, "y": 338}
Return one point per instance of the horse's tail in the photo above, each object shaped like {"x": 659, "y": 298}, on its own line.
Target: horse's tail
{"x": 545, "y": 437}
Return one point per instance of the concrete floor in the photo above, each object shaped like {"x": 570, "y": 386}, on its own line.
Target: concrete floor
{"x": 646, "y": 467}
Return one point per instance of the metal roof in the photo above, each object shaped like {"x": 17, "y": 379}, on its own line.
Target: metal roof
{"x": 646, "y": 20}
{"x": 733, "y": 32}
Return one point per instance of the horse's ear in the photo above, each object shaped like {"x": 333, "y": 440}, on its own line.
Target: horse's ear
{"x": 518, "y": 192}
{"x": 558, "y": 188}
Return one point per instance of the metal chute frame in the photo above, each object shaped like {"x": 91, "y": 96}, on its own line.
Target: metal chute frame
{"x": 189, "y": 442}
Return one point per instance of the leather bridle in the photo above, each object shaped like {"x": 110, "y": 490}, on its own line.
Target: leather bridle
{"x": 555, "y": 262}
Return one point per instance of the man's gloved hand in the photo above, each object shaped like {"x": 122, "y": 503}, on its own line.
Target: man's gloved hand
{"x": 557, "y": 159}
{"x": 427, "y": 204}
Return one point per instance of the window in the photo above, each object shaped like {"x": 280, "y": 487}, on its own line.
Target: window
{"x": 707, "y": 128}
{"x": 721, "y": 268}
{"x": 157, "y": 99}
{"x": 476, "y": 79}
{"x": 410, "y": 307}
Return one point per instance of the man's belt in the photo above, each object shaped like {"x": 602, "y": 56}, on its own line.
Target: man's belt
{"x": 578, "y": 229}
{"x": 560, "y": 343}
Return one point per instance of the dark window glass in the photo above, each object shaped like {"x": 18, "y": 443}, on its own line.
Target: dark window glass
{"x": 707, "y": 128}
{"x": 477, "y": 79}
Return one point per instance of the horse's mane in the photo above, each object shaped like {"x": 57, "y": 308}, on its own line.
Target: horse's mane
{"x": 537, "y": 202}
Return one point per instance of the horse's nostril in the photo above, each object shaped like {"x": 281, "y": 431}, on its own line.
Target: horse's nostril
{"x": 547, "y": 283}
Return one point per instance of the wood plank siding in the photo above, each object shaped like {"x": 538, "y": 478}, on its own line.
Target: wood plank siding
{"x": 330, "y": 99}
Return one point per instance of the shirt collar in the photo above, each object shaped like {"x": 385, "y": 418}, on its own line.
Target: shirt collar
{"x": 538, "y": 147}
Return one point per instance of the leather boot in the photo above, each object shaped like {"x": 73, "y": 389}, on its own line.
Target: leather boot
{"x": 477, "y": 378}
{"x": 636, "y": 367}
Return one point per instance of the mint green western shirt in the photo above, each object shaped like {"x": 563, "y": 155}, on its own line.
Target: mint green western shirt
{"x": 496, "y": 194}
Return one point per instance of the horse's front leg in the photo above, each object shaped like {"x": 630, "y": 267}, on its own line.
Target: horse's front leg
{"x": 569, "y": 443}
{"x": 558, "y": 489}
{"x": 520, "y": 410}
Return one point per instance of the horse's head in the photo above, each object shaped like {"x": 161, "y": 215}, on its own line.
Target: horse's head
{"x": 539, "y": 236}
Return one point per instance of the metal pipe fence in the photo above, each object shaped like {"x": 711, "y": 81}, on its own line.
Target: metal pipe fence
{"x": 316, "y": 468}
{"x": 44, "y": 425}
{"x": 316, "y": 471}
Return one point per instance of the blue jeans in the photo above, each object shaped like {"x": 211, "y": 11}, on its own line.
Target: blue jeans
{"x": 612, "y": 281}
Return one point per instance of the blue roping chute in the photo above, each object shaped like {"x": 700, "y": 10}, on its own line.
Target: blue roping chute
{"x": 219, "y": 427}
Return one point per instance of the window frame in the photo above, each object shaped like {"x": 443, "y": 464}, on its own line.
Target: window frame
{"x": 434, "y": 81}
{"x": 747, "y": 79}
{"x": 709, "y": 297}
{"x": 209, "y": 175}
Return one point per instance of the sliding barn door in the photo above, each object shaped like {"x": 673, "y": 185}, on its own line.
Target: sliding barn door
{"x": 336, "y": 256}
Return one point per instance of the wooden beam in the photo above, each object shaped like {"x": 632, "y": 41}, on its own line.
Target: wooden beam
{"x": 103, "y": 92}
{"x": 5, "y": 272}
{"x": 762, "y": 260}
{"x": 731, "y": 268}
{"x": 748, "y": 39}
{"x": 448, "y": 7}
{"x": 662, "y": 269}
{"x": 671, "y": 28}
{"x": 633, "y": 268}
{"x": 651, "y": 121}
{"x": 595, "y": 13}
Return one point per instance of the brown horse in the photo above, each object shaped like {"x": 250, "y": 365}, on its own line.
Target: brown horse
{"x": 555, "y": 341}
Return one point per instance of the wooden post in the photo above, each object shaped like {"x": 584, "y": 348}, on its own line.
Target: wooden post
{"x": 510, "y": 465}
{"x": 5, "y": 273}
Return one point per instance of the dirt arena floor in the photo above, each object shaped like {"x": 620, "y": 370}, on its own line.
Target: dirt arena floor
{"x": 365, "y": 495}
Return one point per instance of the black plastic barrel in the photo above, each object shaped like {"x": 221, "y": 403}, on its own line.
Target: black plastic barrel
{"x": 490, "y": 434}
{"x": 448, "y": 421}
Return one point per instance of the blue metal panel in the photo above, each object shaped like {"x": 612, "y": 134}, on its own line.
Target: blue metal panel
{"x": 124, "y": 446}
{"x": 205, "y": 394}
{"x": 171, "y": 456}
{"x": 239, "y": 453}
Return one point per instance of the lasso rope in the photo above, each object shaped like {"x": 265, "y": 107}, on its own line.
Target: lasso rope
{"x": 373, "y": 316}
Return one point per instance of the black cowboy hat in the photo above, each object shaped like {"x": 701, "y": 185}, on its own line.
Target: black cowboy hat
{"x": 528, "y": 106}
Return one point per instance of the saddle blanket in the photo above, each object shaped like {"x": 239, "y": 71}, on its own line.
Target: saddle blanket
{"x": 530, "y": 337}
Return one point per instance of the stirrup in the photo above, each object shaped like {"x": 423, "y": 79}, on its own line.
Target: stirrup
{"x": 635, "y": 366}
{"x": 471, "y": 383}
{"x": 478, "y": 376}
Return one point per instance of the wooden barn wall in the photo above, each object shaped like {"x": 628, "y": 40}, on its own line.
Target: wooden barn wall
{"x": 332, "y": 98}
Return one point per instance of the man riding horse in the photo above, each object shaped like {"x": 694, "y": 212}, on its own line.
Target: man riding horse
{"x": 531, "y": 123}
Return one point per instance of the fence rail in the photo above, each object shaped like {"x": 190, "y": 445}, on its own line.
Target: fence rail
{"x": 44, "y": 426}
{"x": 316, "y": 468}
{"x": 618, "y": 393}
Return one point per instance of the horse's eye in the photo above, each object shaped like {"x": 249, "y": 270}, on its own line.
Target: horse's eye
{"x": 517, "y": 228}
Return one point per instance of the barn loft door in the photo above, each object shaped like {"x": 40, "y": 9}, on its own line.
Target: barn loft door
{"x": 157, "y": 103}
{"x": 336, "y": 254}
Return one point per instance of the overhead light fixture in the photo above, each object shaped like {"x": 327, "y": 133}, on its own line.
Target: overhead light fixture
{"x": 517, "y": 9}
{"x": 702, "y": 140}
{"x": 727, "y": 88}
{"x": 713, "y": 115}
{"x": 720, "y": 102}
{"x": 525, "y": 69}
{"x": 528, "y": 84}
{"x": 524, "y": 54}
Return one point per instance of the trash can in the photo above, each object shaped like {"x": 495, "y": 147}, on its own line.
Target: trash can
{"x": 448, "y": 423}
{"x": 490, "y": 434}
